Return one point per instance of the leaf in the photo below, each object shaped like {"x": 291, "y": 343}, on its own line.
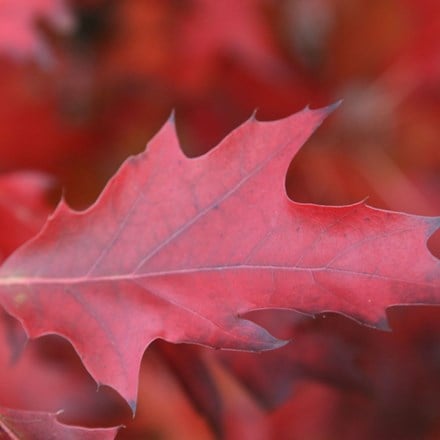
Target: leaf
{"x": 180, "y": 249}
{"x": 21, "y": 425}
{"x": 53, "y": 136}
{"x": 187, "y": 44}
{"x": 19, "y": 35}
{"x": 24, "y": 208}
{"x": 205, "y": 40}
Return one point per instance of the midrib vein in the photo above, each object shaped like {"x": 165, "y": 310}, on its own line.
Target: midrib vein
{"x": 11, "y": 281}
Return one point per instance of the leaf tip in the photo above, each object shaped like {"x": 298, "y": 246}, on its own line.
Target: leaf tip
{"x": 332, "y": 107}
{"x": 383, "y": 324}
{"x": 62, "y": 208}
{"x": 281, "y": 343}
{"x": 172, "y": 117}
{"x": 434, "y": 224}
{"x": 272, "y": 343}
{"x": 133, "y": 406}
{"x": 320, "y": 114}
{"x": 253, "y": 116}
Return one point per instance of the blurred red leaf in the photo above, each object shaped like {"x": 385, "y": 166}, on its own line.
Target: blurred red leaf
{"x": 20, "y": 425}
{"x": 24, "y": 208}
{"x": 214, "y": 31}
{"x": 39, "y": 131}
{"x": 190, "y": 42}
{"x": 19, "y": 34}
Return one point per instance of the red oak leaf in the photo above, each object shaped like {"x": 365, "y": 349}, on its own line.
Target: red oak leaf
{"x": 178, "y": 249}
{"x": 21, "y": 425}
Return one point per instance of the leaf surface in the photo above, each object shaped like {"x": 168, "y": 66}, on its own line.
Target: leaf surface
{"x": 178, "y": 249}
